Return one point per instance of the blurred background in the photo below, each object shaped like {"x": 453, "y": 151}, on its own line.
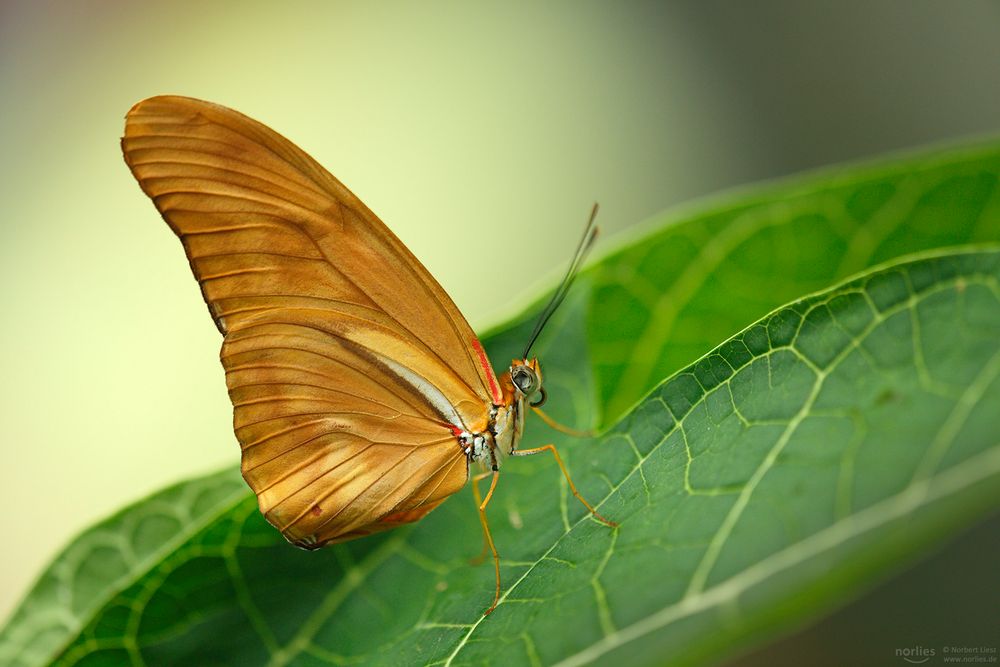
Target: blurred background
{"x": 470, "y": 129}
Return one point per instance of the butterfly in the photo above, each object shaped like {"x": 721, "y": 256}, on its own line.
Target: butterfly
{"x": 361, "y": 395}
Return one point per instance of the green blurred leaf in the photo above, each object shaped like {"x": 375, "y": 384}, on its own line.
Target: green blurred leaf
{"x": 770, "y": 478}
{"x": 109, "y": 558}
{"x": 705, "y": 274}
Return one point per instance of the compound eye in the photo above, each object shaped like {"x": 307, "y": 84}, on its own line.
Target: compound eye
{"x": 525, "y": 380}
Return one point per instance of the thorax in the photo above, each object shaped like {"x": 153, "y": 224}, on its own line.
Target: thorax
{"x": 506, "y": 425}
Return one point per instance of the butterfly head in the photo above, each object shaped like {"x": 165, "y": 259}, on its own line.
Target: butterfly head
{"x": 526, "y": 376}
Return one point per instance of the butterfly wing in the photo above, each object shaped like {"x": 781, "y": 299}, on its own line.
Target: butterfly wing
{"x": 349, "y": 368}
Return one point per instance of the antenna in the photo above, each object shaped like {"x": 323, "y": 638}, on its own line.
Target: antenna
{"x": 586, "y": 243}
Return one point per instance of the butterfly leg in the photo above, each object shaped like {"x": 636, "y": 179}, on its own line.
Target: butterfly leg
{"x": 572, "y": 486}
{"x": 486, "y": 527}
{"x": 560, "y": 427}
{"x": 479, "y": 501}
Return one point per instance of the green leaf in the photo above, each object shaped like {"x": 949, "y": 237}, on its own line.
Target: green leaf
{"x": 674, "y": 295}
{"x": 109, "y": 558}
{"x": 770, "y": 478}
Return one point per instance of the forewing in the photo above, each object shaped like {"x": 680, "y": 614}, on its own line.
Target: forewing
{"x": 266, "y": 227}
{"x": 349, "y": 368}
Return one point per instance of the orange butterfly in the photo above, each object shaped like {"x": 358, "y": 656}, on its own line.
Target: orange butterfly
{"x": 361, "y": 395}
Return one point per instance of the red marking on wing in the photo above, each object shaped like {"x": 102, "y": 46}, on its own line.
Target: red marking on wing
{"x": 490, "y": 377}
